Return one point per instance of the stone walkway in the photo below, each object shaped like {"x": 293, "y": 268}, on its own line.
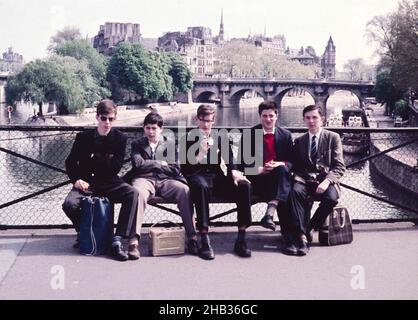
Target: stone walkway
{"x": 381, "y": 263}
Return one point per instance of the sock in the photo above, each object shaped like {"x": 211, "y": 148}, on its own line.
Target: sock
{"x": 271, "y": 208}
{"x": 117, "y": 241}
{"x": 241, "y": 235}
{"x": 134, "y": 240}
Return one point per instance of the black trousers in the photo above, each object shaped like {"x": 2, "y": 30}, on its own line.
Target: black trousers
{"x": 275, "y": 185}
{"x": 300, "y": 206}
{"x": 203, "y": 187}
{"x": 116, "y": 191}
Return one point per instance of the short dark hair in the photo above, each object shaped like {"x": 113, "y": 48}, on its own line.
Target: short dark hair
{"x": 267, "y": 105}
{"x": 312, "y": 107}
{"x": 205, "y": 110}
{"x": 105, "y": 107}
{"x": 154, "y": 118}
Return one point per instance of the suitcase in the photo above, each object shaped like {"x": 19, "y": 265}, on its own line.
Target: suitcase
{"x": 96, "y": 226}
{"x": 166, "y": 240}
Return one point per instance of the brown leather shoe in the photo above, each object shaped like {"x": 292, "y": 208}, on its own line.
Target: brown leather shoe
{"x": 133, "y": 252}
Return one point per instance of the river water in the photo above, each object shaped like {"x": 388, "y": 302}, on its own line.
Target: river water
{"x": 19, "y": 177}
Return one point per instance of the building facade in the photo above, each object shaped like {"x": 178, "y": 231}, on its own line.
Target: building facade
{"x": 11, "y": 61}
{"x": 112, "y": 33}
{"x": 328, "y": 60}
{"x": 196, "y": 46}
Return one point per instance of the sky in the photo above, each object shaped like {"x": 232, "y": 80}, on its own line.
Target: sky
{"x": 28, "y": 25}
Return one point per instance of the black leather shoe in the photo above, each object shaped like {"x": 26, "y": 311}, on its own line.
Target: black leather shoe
{"x": 241, "y": 249}
{"x": 193, "y": 247}
{"x": 206, "y": 252}
{"x": 117, "y": 252}
{"x": 268, "y": 223}
{"x": 289, "y": 247}
{"x": 303, "y": 248}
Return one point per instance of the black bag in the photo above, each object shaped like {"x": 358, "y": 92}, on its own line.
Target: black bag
{"x": 339, "y": 229}
{"x": 96, "y": 225}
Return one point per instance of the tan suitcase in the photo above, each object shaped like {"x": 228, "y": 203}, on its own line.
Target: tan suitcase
{"x": 166, "y": 240}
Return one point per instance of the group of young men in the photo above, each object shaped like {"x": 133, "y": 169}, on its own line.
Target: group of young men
{"x": 289, "y": 175}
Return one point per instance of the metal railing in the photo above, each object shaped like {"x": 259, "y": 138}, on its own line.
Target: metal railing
{"x": 380, "y": 184}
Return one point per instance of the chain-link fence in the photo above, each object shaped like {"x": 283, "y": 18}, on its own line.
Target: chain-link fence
{"x": 380, "y": 183}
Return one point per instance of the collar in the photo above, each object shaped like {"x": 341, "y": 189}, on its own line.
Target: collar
{"x": 265, "y": 132}
{"x": 317, "y": 135}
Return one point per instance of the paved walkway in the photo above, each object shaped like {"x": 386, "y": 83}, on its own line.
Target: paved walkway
{"x": 381, "y": 263}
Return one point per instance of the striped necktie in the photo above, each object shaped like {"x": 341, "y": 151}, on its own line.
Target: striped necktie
{"x": 313, "y": 149}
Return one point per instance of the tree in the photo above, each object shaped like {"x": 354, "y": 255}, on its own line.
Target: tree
{"x": 66, "y": 34}
{"x": 242, "y": 59}
{"x": 81, "y": 50}
{"x": 385, "y": 91}
{"x": 180, "y": 74}
{"x": 62, "y": 80}
{"x": 145, "y": 74}
{"x": 356, "y": 68}
{"x": 397, "y": 37}
{"x": 401, "y": 109}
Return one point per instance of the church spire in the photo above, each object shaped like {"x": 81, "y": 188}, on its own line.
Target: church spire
{"x": 221, "y": 28}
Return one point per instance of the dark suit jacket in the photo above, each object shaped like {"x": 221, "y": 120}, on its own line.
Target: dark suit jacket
{"x": 89, "y": 160}
{"x": 330, "y": 156}
{"x": 220, "y": 150}
{"x": 283, "y": 145}
{"x": 143, "y": 165}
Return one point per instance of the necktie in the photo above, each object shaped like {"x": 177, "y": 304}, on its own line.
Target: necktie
{"x": 152, "y": 154}
{"x": 313, "y": 149}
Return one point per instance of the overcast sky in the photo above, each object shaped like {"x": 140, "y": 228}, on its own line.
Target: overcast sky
{"x": 28, "y": 25}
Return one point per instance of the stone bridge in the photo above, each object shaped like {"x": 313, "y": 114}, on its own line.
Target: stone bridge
{"x": 229, "y": 91}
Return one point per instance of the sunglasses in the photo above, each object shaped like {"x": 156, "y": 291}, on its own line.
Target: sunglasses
{"x": 104, "y": 119}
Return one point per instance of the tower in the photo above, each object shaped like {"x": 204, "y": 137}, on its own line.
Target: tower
{"x": 328, "y": 60}
{"x": 221, "y": 28}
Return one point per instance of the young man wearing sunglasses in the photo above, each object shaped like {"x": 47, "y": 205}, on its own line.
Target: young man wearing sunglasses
{"x": 93, "y": 165}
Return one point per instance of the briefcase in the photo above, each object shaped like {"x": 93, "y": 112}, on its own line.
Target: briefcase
{"x": 96, "y": 225}
{"x": 339, "y": 229}
{"x": 166, "y": 240}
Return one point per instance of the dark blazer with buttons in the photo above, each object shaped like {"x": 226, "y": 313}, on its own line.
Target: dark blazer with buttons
{"x": 92, "y": 162}
{"x": 220, "y": 150}
{"x": 144, "y": 166}
{"x": 330, "y": 156}
{"x": 283, "y": 144}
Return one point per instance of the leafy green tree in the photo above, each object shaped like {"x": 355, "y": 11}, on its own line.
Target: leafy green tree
{"x": 401, "y": 109}
{"x": 385, "y": 91}
{"x": 137, "y": 71}
{"x": 180, "y": 74}
{"x": 62, "y": 80}
{"x": 81, "y": 50}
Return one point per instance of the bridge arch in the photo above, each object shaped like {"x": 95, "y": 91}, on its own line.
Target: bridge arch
{"x": 206, "y": 96}
{"x": 237, "y": 95}
{"x": 281, "y": 93}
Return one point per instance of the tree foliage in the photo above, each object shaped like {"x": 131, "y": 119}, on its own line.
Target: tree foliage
{"x": 396, "y": 35}
{"x": 385, "y": 91}
{"x": 81, "y": 50}
{"x": 147, "y": 75}
{"x": 62, "y": 80}
{"x": 242, "y": 59}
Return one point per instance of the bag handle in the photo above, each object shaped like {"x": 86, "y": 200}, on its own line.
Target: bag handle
{"x": 176, "y": 224}
{"x": 342, "y": 213}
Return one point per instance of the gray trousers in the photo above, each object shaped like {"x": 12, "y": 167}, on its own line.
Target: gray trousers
{"x": 171, "y": 190}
